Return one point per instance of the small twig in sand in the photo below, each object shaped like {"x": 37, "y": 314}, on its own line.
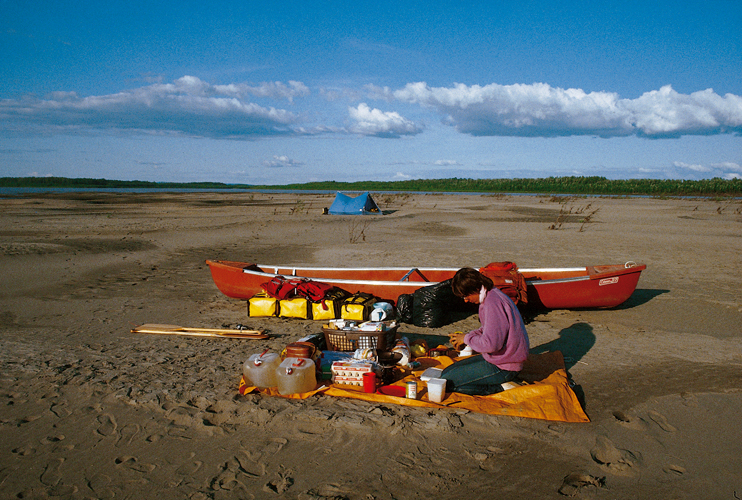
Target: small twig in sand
{"x": 357, "y": 230}
{"x": 588, "y": 218}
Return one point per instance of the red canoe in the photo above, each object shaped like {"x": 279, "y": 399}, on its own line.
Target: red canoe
{"x": 559, "y": 288}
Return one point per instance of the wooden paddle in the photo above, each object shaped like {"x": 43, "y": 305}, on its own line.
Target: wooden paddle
{"x": 199, "y": 332}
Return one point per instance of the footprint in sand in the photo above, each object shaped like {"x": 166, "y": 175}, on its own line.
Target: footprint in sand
{"x": 275, "y": 446}
{"x": 660, "y": 420}
{"x": 280, "y": 485}
{"x": 126, "y": 434}
{"x": 52, "y": 475}
{"x": 674, "y": 470}
{"x": 628, "y": 421}
{"x": 132, "y": 463}
{"x": 107, "y": 425}
{"x": 621, "y": 416}
{"x": 617, "y": 460}
{"x": 573, "y": 483}
{"x": 100, "y": 484}
{"x": 24, "y": 451}
{"x": 52, "y": 439}
{"x": 226, "y": 479}
{"x": 60, "y": 410}
{"x": 250, "y": 465}
{"x": 189, "y": 469}
{"x": 62, "y": 490}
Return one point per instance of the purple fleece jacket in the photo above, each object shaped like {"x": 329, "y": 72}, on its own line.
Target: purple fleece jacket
{"x": 502, "y": 338}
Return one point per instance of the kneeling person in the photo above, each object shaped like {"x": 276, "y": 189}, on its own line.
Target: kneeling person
{"x": 502, "y": 339}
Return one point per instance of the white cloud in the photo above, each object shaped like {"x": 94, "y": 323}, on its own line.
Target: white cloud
{"x": 378, "y": 93}
{"x": 274, "y": 90}
{"x": 666, "y": 112}
{"x": 192, "y": 107}
{"x": 542, "y": 110}
{"x": 281, "y": 161}
{"x": 725, "y": 170}
{"x": 695, "y": 168}
{"x": 367, "y": 121}
{"x": 187, "y": 106}
{"x": 728, "y": 170}
{"x": 729, "y": 166}
{"x": 446, "y": 162}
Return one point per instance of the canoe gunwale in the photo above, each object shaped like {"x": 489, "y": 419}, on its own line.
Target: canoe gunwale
{"x": 268, "y": 276}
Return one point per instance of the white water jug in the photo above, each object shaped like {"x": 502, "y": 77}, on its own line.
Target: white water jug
{"x": 296, "y": 375}
{"x": 260, "y": 369}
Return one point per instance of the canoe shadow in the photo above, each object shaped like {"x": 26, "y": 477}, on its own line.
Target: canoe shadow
{"x": 639, "y": 297}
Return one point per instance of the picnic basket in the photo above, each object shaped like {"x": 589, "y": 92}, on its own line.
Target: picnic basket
{"x": 350, "y": 340}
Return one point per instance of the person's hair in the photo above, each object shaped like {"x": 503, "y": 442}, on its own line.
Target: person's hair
{"x": 467, "y": 281}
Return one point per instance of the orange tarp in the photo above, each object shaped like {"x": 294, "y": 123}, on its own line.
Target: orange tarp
{"x": 547, "y": 395}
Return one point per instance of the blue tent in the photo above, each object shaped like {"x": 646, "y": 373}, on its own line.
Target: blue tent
{"x": 362, "y": 204}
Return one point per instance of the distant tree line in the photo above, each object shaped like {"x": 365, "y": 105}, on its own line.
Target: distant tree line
{"x": 65, "y": 182}
{"x": 550, "y": 185}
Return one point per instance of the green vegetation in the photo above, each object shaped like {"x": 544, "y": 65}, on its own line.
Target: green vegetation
{"x": 64, "y": 182}
{"x": 552, "y": 185}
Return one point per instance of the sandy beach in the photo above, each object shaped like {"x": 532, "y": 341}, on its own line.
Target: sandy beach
{"x": 91, "y": 410}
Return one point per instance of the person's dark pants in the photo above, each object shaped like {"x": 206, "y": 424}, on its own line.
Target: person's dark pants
{"x": 476, "y": 376}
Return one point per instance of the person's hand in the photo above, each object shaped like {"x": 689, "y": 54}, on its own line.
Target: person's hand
{"x": 457, "y": 339}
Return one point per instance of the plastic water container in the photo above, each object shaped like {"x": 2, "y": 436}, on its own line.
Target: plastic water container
{"x": 381, "y": 311}
{"x": 296, "y": 375}
{"x": 260, "y": 369}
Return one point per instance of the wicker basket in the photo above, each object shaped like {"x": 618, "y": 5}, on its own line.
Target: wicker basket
{"x": 350, "y": 340}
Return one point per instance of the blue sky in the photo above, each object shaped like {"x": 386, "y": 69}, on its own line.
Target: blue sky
{"x": 284, "y": 92}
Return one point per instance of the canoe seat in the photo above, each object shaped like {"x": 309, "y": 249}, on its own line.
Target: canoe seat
{"x": 406, "y": 277}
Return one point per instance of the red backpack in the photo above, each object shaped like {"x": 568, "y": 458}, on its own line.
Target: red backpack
{"x": 280, "y": 287}
{"x": 313, "y": 290}
{"x": 506, "y": 277}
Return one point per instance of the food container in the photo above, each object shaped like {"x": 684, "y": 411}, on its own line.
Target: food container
{"x": 350, "y": 372}
{"x": 369, "y": 382}
{"x": 436, "y": 390}
{"x": 411, "y": 386}
{"x": 260, "y": 369}
{"x": 301, "y": 350}
{"x": 296, "y": 375}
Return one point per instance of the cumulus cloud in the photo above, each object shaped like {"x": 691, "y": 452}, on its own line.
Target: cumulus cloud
{"x": 728, "y": 166}
{"x": 186, "y": 106}
{"x": 274, "y": 90}
{"x": 694, "y": 167}
{"x": 728, "y": 170}
{"x": 193, "y": 107}
{"x": 367, "y": 121}
{"x": 725, "y": 170}
{"x": 281, "y": 161}
{"x": 545, "y": 111}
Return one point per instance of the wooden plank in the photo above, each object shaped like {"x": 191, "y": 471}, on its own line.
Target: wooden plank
{"x": 198, "y": 332}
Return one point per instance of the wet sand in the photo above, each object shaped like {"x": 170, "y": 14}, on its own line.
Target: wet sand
{"x": 90, "y": 410}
